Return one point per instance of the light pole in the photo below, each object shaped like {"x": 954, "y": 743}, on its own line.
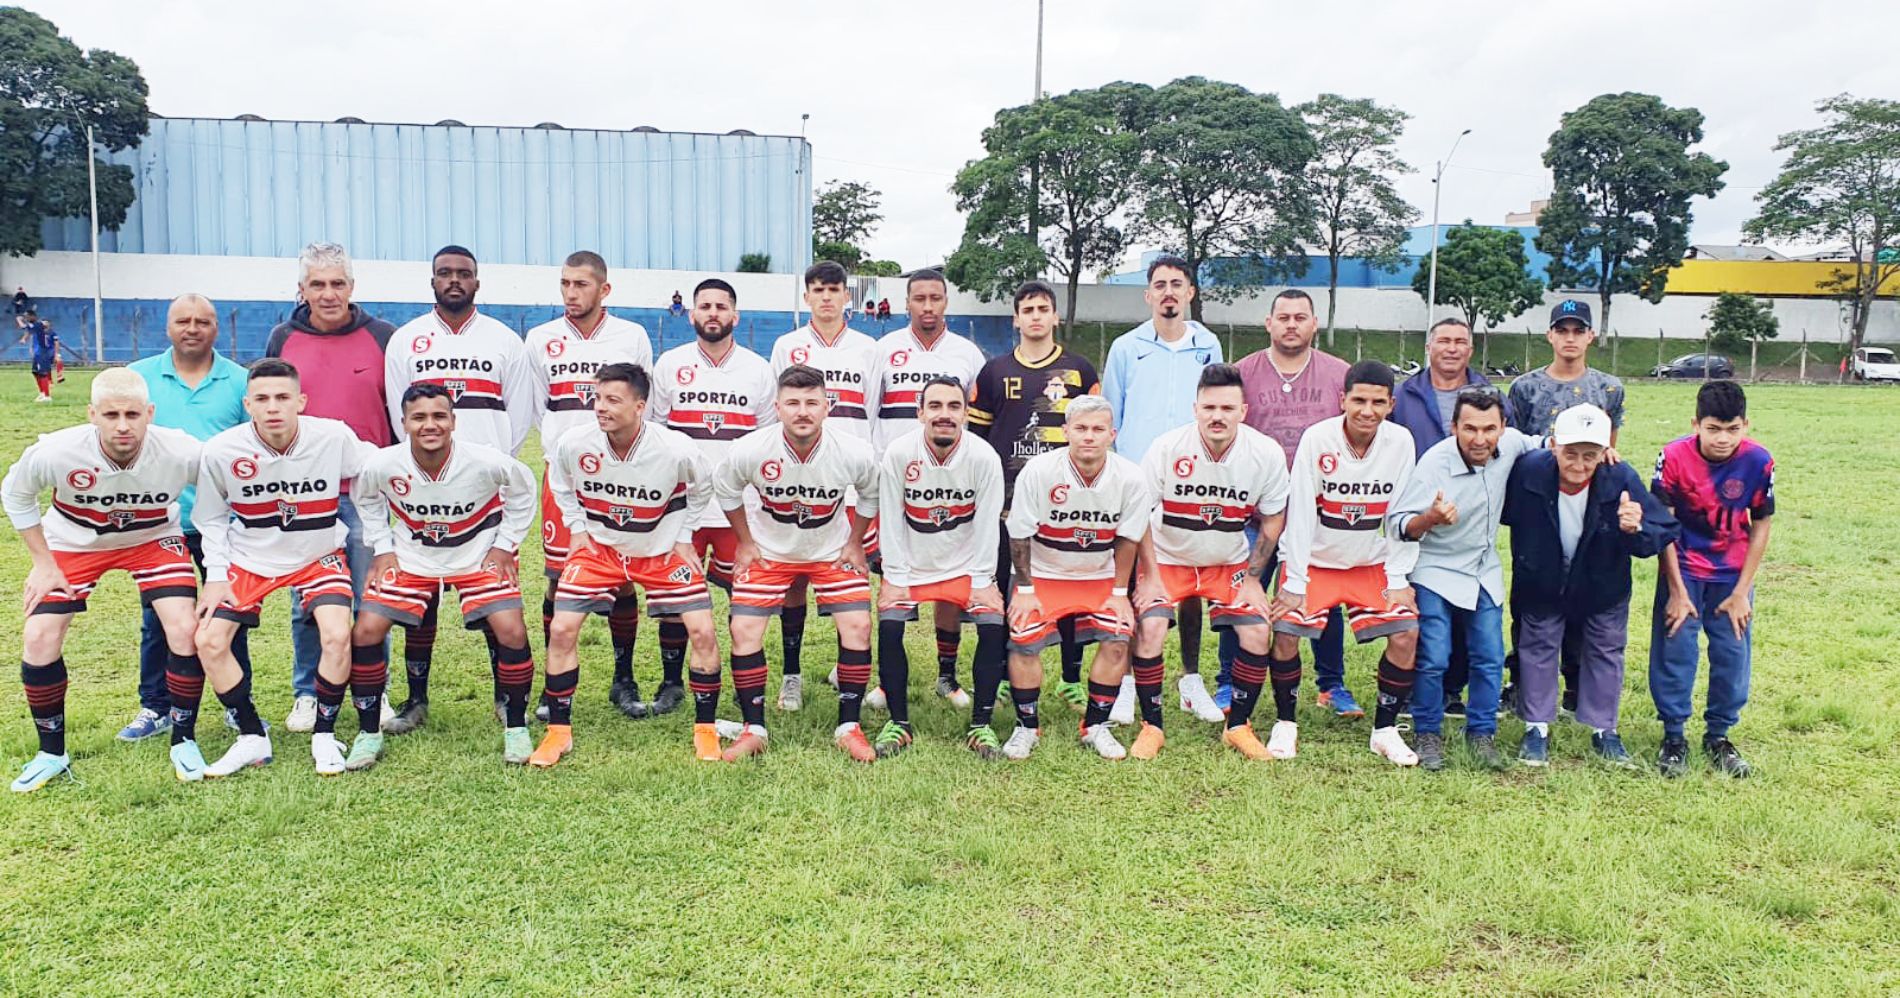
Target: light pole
{"x": 98, "y": 284}
{"x": 798, "y": 250}
{"x": 1438, "y": 178}
{"x": 1035, "y": 163}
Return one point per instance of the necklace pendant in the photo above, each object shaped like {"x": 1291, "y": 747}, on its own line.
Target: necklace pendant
{"x": 1286, "y": 388}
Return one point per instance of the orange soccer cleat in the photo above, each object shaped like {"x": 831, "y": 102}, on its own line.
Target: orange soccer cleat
{"x": 1243, "y": 740}
{"x": 1148, "y": 743}
{"x": 558, "y": 742}
{"x": 706, "y": 743}
{"x": 850, "y": 738}
{"x": 749, "y": 743}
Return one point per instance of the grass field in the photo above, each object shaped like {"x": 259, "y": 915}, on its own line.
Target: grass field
{"x": 631, "y": 868}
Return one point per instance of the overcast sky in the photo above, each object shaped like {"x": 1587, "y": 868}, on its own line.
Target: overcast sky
{"x": 899, "y": 92}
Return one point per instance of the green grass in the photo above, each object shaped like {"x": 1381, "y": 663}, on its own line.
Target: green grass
{"x": 631, "y": 868}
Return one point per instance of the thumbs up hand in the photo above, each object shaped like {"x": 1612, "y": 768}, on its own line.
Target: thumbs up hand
{"x": 1629, "y": 514}
{"x": 1442, "y": 512}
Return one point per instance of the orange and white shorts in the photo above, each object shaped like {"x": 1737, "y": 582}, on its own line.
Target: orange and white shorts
{"x": 1084, "y": 599}
{"x": 405, "y": 597}
{"x": 161, "y": 568}
{"x": 724, "y": 546}
{"x": 956, "y": 592}
{"x": 555, "y": 541}
{"x": 324, "y": 582}
{"x": 591, "y": 578}
{"x": 1361, "y": 591}
{"x": 1219, "y": 585}
{"x": 760, "y": 592}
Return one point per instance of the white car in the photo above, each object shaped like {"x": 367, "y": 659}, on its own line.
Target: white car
{"x": 1874, "y": 364}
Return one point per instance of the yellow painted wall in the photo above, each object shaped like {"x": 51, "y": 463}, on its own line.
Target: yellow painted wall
{"x": 1767, "y": 278}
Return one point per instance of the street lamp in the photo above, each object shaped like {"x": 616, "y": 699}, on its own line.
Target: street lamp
{"x": 798, "y": 250}
{"x": 1438, "y": 177}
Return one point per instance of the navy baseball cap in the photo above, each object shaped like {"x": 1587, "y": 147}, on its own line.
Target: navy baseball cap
{"x": 1570, "y": 308}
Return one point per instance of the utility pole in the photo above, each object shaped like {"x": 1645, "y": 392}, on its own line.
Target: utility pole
{"x": 1438, "y": 184}
{"x": 799, "y": 251}
{"x": 1035, "y": 164}
{"x": 98, "y": 284}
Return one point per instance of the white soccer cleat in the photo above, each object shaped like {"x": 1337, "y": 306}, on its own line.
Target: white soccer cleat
{"x": 247, "y": 751}
{"x": 1284, "y": 741}
{"x": 303, "y": 715}
{"x": 327, "y": 753}
{"x": 791, "y": 693}
{"x": 1021, "y": 742}
{"x": 875, "y": 699}
{"x": 831, "y": 678}
{"x": 1389, "y": 743}
{"x": 1124, "y": 710}
{"x": 728, "y": 730}
{"x": 948, "y": 689}
{"x": 1101, "y": 738}
{"x": 388, "y": 714}
{"x": 1195, "y": 700}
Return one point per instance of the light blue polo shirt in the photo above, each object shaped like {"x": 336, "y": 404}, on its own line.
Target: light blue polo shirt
{"x": 216, "y": 405}
{"x": 1150, "y": 384}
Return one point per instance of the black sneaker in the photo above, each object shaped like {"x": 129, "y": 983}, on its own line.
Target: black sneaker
{"x": 1507, "y": 701}
{"x": 411, "y": 715}
{"x": 1726, "y": 758}
{"x": 1484, "y": 749}
{"x": 1568, "y": 707}
{"x": 1454, "y": 707}
{"x": 1608, "y": 748}
{"x": 1431, "y": 751}
{"x": 666, "y": 699}
{"x": 1672, "y": 760}
{"x": 625, "y": 695}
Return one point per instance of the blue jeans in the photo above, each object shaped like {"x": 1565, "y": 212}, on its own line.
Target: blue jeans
{"x": 154, "y": 654}
{"x": 1672, "y": 661}
{"x": 306, "y": 649}
{"x": 1483, "y": 628}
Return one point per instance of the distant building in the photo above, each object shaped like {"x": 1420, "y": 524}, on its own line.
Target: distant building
{"x": 1712, "y": 251}
{"x": 1528, "y": 217}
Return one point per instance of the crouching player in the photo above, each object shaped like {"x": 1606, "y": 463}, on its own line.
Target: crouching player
{"x": 115, "y": 484}
{"x": 1213, "y": 479}
{"x": 941, "y": 500}
{"x": 461, "y": 511}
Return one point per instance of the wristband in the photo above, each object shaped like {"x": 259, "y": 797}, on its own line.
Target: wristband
{"x": 1118, "y": 591}
{"x": 1026, "y": 589}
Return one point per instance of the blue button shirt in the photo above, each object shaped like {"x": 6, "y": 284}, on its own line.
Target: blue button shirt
{"x": 1150, "y": 384}
{"x": 216, "y": 405}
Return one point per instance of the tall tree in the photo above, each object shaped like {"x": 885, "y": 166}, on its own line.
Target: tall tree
{"x": 1736, "y": 318}
{"x": 1222, "y": 182}
{"x": 1841, "y": 185}
{"x": 49, "y": 92}
{"x": 1618, "y": 219}
{"x": 1484, "y": 273}
{"x": 1087, "y": 147}
{"x": 1360, "y": 212}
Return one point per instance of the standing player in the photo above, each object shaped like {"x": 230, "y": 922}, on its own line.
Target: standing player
{"x": 39, "y": 336}
{"x": 1336, "y": 551}
{"x": 564, "y": 355}
{"x": 461, "y": 511}
{"x": 940, "y": 497}
{"x": 805, "y": 532}
{"x": 1075, "y": 527}
{"x": 485, "y": 368}
{"x": 1212, "y": 479}
{"x": 267, "y": 510}
{"x": 115, "y": 488}
{"x": 844, "y": 357}
{"x": 1019, "y": 405}
{"x": 630, "y": 493}
{"x": 714, "y": 392}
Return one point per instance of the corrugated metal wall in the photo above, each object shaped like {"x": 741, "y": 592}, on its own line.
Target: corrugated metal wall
{"x": 644, "y": 200}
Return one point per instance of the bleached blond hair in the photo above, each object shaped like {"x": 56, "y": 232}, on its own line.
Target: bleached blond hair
{"x": 120, "y": 383}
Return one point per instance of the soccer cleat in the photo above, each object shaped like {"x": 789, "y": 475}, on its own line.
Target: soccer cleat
{"x": 625, "y": 695}
{"x": 1431, "y": 751}
{"x": 850, "y": 737}
{"x": 1283, "y": 742}
{"x": 517, "y": 746}
{"x": 1148, "y": 743}
{"x": 1339, "y": 700}
{"x": 1484, "y": 748}
{"x": 365, "y": 749}
{"x": 303, "y": 715}
{"x": 1567, "y": 707}
{"x": 149, "y": 722}
{"x": 728, "y": 730}
{"x": 876, "y": 700}
{"x": 188, "y": 764}
{"x": 791, "y": 693}
{"x": 749, "y": 743}
{"x": 1455, "y": 708}
{"x": 384, "y": 714}
{"x": 1196, "y": 701}
{"x": 1389, "y": 743}
{"x": 558, "y": 742}
{"x": 892, "y": 739}
{"x": 327, "y": 753}
{"x": 705, "y": 743}
{"x": 39, "y": 769}
{"x": 1241, "y": 739}
{"x": 1101, "y": 738}
{"x": 666, "y": 699}
{"x": 1021, "y": 742}
{"x": 1535, "y": 749}
{"x": 1608, "y": 748}
{"x": 1508, "y": 702}
{"x": 247, "y": 751}
{"x": 982, "y": 740}
{"x": 1076, "y": 693}
{"x": 411, "y": 715}
{"x": 831, "y": 678}
{"x": 1223, "y": 696}
{"x": 1726, "y": 758}
{"x": 540, "y": 710}
{"x": 1123, "y": 713}
{"x": 948, "y": 689}
{"x": 1672, "y": 760}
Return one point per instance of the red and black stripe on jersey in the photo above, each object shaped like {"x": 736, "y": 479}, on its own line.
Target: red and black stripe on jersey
{"x": 469, "y": 393}
{"x": 628, "y": 517}
{"x": 936, "y": 519}
{"x": 801, "y": 513}
{"x": 1350, "y": 514}
{"x": 846, "y": 403}
{"x": 287, "y": 514}
{"x": 1081, "y": 540}
{"x": 1188, "y": 515}
{"x": 712, "y": 424}
{"x": 450, "y": 533}
{"x": 571, "y": 396}
{"x": 117, "y": 520}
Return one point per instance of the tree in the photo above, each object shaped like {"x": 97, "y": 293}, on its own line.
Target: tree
{"x": 879, "y": 268}
{"x": 1841, "y": 185}
{"x": 1360, "y": 213}
{"x": 1086, "y": 147}
{"x": 1222, "y": 183}
{"x": 1618, "y": 219}
{"x": 844, "y": 254}
{"x": 842, "y": 216}
{"x": 1484, "y": 273}
{"x": 755, "y": 263}
{"x": 49, "y": 92}
{"x": 1735, "y": 319}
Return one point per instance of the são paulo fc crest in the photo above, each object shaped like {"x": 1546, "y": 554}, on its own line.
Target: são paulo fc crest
{"x": 1209, "y": 514}
{"x": 82, "y": 479}
{"x": 1085, "y": 537}
{"x": 940, "y": 515}
{"x": 176, "y": 545}
{"x": 400, "y": 486}
{"x": 621, "y": 515}
{"x": 334, "y": 562}
{"x": 456, "y": 387}
{"x": 1059, "y": 494}
{"x": 590, "y": 464}
{"x": 286, "y": 512}
{"x": 913, "y": 471}
{"x": 557, "y": 347}
{"x": 1328, "y": 463}
{"x": 1184, "y": 466}
{"x": 900, "y": 358}
{"x": 435, "y": 531}
{"x": 712, "y": 421}
{"x": 802, "y": 511}
{"x": 121, "y": 518}
{"x": 685, "y": 375}
{"x": 421, "y": 344}
{"x": 584, "y": 391}
{"x": 243, "y": 469}
{"x": 1240, "y": 576}
{"x": 799, "y": 354}
{"x": 1352, "y": 513}
{"x": 770, "y": 470}
{"x": 681, "y": 575}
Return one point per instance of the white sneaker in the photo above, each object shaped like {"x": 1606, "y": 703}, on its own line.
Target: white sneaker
{"x": 248, "y": 750}
{"x": 327, "y": 753}
{"x": 1101, "y": 738}
{"x": 388, "y": 714}
{"x": 44, "y": 398}
{"x": 1389, "y": 743}
{"x": 831, "y": 678}
{"x": 875, "y": 699}
{"x": 303, "y": 715}
{"x": 1021, "y": 742}
{"x": 728, "y": 730}
{"x": 1195, "y": 699}
{"x": 947, "y": 689}
{"x": 1124, "y": 710}
{"x": 1284, "y": 741}
{"x": 791, "y": 693}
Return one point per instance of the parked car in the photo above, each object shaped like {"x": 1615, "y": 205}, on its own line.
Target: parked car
{"x": 1696, "y": 365}
{"x": 1874, "y": 364}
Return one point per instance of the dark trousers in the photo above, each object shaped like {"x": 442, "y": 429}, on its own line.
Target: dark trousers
{"x": 154, "y": 653}
{"x": 1569, "y": 654}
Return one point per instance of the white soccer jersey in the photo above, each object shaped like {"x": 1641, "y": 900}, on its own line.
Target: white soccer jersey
{"x": 272, "y": 513}
{"x": 1336, "y": 507}
{"x": 802, "y": 501}
{"x": 445, "y": 523}
{"x": 938, "y": 519}
{"x": 1072, "y": 522}
{"x": 901, "y": 366}
{"x": 846, "y": 363}
{"x": 714, "y": 403}
{"x": 98, "y": 505}
{"x": 484, "y": 366}
{"x": 1204, "y": 505}
{"x": 640, "y": 503}
{"x": 564, "y": 360}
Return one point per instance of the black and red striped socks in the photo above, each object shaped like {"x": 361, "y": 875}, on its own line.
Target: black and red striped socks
{"x": 1024, "y": 700}
{"x": 514, "y": 673}
{"x": 559, "y": 694}
{"x": 238, "y": 698}
{"x": 329, "y": 703}
{"x": 1395, "y": 690}
{"x": 1148, "y": 685}
{"x": 1286, "y": 686}
{"x": 986, "y": 671}
{"x": 948, "y": 645}
{"x": 748, "y": 685}
{"x": 705, "y": 690}
{"x": 369, "y": 677}
{"x": 623, "y": 627}
{"x": 185, "y": 683}
{"x": 673, "y": 650}
{"x": 418, "y": 651}
{"x": 854, "y": 674}
{"x": 1101, "y": 701}
{"x": 46, "y": 701}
